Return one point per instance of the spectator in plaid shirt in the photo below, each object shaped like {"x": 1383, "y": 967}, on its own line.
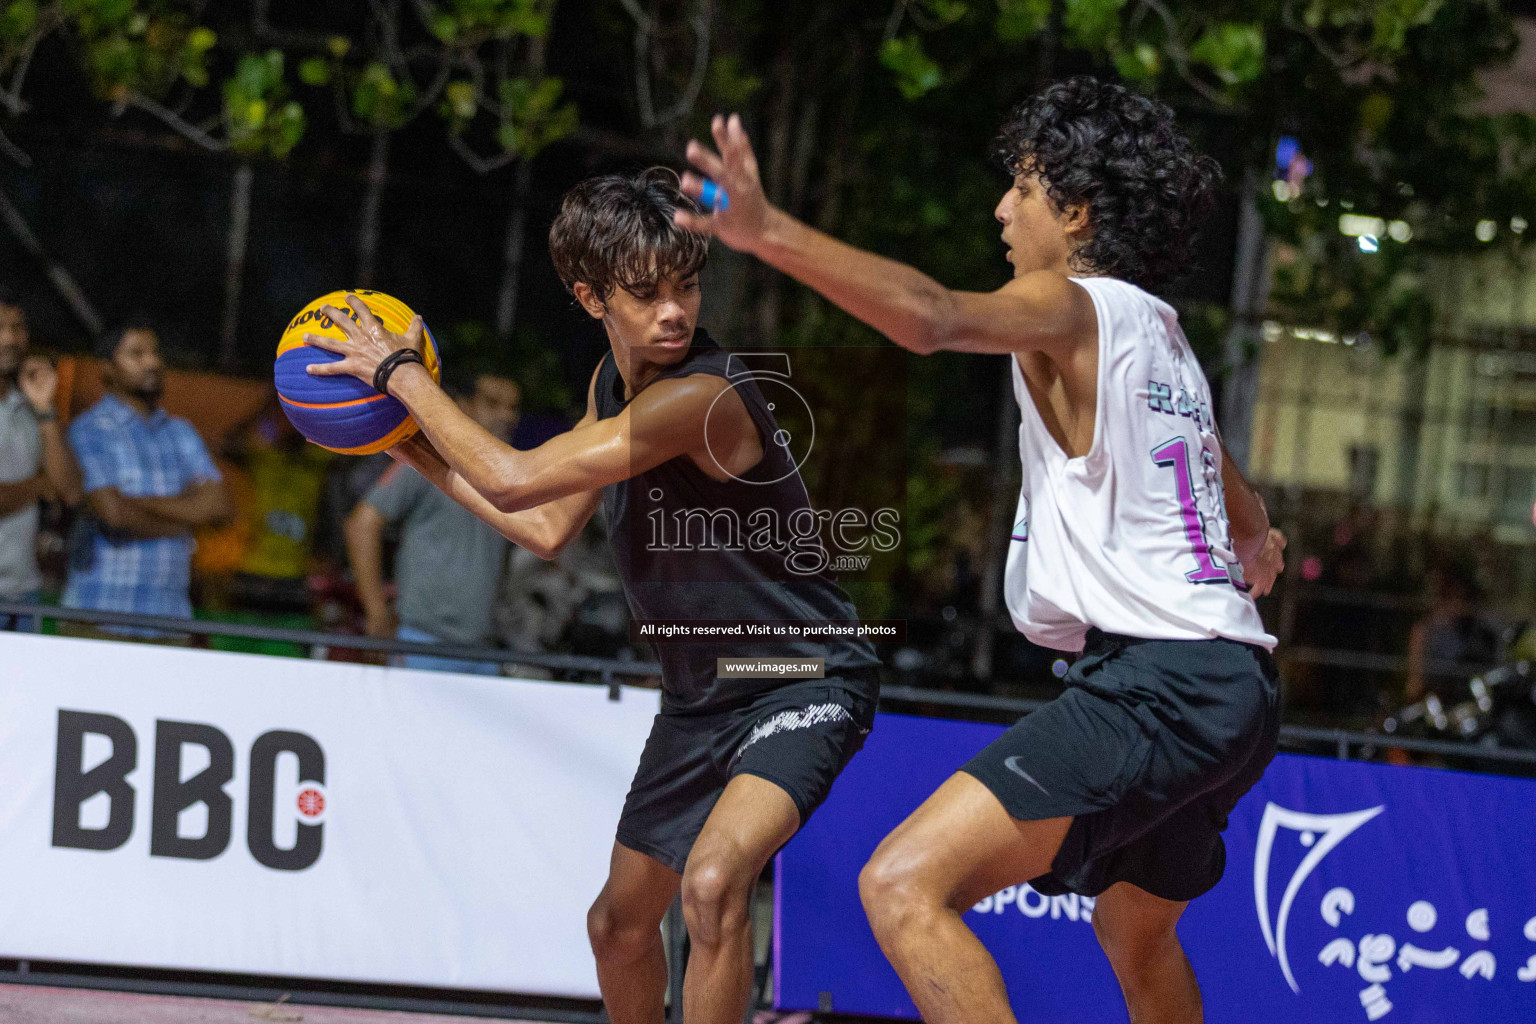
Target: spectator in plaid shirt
{"x": 149, "y": 481}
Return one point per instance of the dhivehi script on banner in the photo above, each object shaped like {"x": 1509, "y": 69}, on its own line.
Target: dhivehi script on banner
{"x": 236, "y": 813}
{"x": 1353, "y": 893}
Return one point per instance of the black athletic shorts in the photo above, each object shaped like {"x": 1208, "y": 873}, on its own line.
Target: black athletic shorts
{"x": 798, "y": 737}
{"x": 1148, "y": 751}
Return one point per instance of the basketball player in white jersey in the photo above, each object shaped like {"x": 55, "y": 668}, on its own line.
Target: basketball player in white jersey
{"x": 1136, "y": 543}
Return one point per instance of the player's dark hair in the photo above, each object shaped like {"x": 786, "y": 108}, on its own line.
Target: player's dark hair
{"x": 617, "y": 232}
{"x": 1118, "y": 152}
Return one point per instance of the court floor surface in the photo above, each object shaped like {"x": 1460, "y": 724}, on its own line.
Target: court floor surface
{"x": 35, "y": 1004}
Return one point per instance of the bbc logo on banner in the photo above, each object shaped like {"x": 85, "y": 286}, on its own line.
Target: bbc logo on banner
{"x": 74, "y": 785}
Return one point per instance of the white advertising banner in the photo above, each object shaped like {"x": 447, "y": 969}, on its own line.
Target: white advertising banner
{"x": 236, "y": 813}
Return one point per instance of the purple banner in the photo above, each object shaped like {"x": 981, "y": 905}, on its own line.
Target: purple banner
{"x": 1353, "y": 893}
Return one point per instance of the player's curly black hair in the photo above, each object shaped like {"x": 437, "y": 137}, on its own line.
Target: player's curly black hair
{"x": 1119, "y": 152}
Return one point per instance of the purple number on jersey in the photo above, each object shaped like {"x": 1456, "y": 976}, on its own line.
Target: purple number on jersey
{"x": 1175, "y": 453}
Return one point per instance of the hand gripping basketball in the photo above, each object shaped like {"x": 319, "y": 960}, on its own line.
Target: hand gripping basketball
{"x": 322, "y": 377}
{"x": 369, "y": 343}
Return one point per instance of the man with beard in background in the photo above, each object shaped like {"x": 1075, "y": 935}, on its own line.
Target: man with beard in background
{"x": 149, "y": 482}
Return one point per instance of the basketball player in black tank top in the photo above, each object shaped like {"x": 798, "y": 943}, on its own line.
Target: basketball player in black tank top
{"x": 732, "y": 767}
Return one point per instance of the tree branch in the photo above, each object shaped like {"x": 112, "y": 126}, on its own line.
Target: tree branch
{"x": 893, "y": 23}
{"x": 645, "y": 30}
{"x": 424, "y": 11}
{"x": 642, "y": 20}
{"x": 14, "y": 151}
{"x": 700, "y": 23}
{"x": 477, "y": 163}
{"x": 431, "y": 93}
{"x": 643, "y": 75}
{"x": 263, "y": 30}
{"x": 385, "y": 16}
{"x": 174, "y": 121}
{"x": 1180, "y": 56}
{"x": 11, "y": 97}
{"x": 343, "y": 115}
{"x": 1337, "y": 58}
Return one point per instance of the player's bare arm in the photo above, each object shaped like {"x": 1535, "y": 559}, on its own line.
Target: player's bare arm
{"x": 665, "y": 420}
{"x": 544, "y": 530}
{"x": 1039, "y": 311}
{"x": 1258, "y": 546}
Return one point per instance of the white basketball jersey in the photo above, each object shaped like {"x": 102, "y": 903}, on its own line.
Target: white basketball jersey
{"x": 1132, "y": 537}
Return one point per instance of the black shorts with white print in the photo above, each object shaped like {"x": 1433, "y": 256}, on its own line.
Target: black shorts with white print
{"x": 798, "y": 737}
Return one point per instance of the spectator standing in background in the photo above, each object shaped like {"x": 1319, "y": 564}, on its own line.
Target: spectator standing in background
{"x": 287, "y": 476}
{"x": 35, "y": 461}
{"x": 448, "y": 565}
{"x": 338, "y": 608}
{"x": 149, "y": 482}
{"x": 1452, "y": 641}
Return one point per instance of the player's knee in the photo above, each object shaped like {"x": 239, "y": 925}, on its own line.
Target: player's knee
{"x": 715, "y": 895}
{"x": 1104, "y": 932}
{"x": 889, "y": 889}
{"x": 613, "y": 938}
{"x": 602, "y": 927}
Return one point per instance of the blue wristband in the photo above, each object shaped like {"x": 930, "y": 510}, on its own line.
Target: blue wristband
{"x": 714, "y": 198}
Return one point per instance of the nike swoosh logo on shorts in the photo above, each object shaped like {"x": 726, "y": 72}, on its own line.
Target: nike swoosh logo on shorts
{"x": 1012, "y": 764}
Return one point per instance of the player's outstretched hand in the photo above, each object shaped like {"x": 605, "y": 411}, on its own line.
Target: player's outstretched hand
{"x": 1260, "y": 574}
{"x": 733, "y": 167}
{"x": 367, "y": 344}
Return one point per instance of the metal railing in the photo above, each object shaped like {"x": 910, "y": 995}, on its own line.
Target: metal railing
{"x": 1342, "y": 741}
{"x": 611, "y": 672}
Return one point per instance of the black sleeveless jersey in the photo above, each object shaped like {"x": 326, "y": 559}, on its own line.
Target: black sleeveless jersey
{"x": 692, "y": 547}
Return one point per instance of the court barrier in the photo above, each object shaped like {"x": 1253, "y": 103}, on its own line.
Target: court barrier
{"x": 213, "y": 823}
{"x": 1351, "y": 890}
{"x": 196, "y": 810}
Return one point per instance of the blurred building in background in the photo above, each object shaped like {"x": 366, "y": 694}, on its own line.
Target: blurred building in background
{"x": 1443, "y": 442}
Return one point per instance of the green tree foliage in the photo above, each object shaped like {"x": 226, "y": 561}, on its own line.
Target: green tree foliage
{"x": 158, "y": 56}
{"x": 257, "y": 113}
{"x": 147, "y": 48}
{"x": 477, "y": 63}
{"x": 1380, "y": 93}
{"x": 379, "y": 84}
{"x": 1402, "y": 143}
{"x": 496, "y": 48}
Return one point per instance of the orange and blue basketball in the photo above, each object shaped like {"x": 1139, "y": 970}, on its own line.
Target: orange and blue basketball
{"x": 342, "y": 413}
